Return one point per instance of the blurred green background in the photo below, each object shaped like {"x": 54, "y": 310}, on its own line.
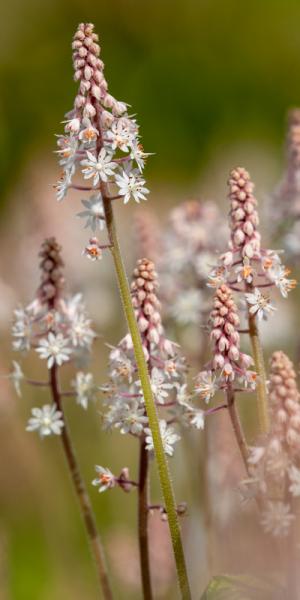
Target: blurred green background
{"x": 210, "y": 82}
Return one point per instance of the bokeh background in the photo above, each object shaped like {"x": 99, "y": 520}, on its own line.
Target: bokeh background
{"x": 211, "y": 82}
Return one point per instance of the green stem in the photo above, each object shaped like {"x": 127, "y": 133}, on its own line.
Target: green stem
{"x": 143, "y": 513}
{"x": 163, "y": 470}
{"x": 262, "y": 402}
{"x": 81, "y": 492}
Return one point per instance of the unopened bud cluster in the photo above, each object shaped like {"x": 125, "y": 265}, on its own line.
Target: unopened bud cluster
{"x": 246, "y": 266}
{"x": 275, "y": 465}
{"x": 52, "y": 279}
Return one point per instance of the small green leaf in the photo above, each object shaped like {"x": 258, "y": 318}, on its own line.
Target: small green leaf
{"x": 240, "y": 587}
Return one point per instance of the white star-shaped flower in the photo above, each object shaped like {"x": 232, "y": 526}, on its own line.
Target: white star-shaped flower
{"x": 94, "y": 213}
{"x": 105, "y": 479}
{"x": 99, "y": 167}
{"x": 260, "y": 304}
{"x": 131, "y": 185}
{"x": 168, "y": 435}
{"x": 46, "y": 420}
{"x": 54, "y": 349}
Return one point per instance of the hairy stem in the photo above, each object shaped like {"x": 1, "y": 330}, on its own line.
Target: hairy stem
{"x": 262, "y": 402}
{"x": 163, "y": 470}
{"x": 81, "y": 493}
{"x": 143, "y": 514}
{"x": 237, "y": 427}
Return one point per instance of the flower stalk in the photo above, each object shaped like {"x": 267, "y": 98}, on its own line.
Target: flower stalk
{"x": 163, "y": 469}
{"x": 261, "y": 388}
{"x": 143, "y": 511}
{"x": 81, "y": 492}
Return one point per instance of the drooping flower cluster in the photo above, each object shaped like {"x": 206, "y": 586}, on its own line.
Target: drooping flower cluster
{"x": 246, "y": 266}
{"x": 58, "y": 328}
{"x": 228, "y": 362}
{"x": 123, "y": 395}
{"x": 275, "y": 465}
{"x": 101, "y": 140}
{"x": 190, "y": 246}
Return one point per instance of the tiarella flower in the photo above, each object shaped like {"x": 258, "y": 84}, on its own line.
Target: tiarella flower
{"x": 277, "y": 518}
{"x": 278, "y": 274}
{"x": 94, "y": 213}
{"x": 132, "y": 418}
{"x": 160, "y": 387}
{"x": 197, "y": 419}
{"x": 168, "y": 436}
{"x": 68, "y": 146}
{"x": 100, "y": 168}
{"x": 245, "y": 272}
{"x": 22, "y": 330}
{"x": 16, "y": 377}
{"x": 206, "y": 385}
{"x": 93, "y": 250}
{"x": 85, "y": 388}
{"x": 54, "y": 349}
{"x": 217, "y": 277}
{"x": 294, "y": 475}
{"x": 121, "y": 366}
{"x": 80, "y": 331}
{"x": 88, "y": 134}
{"x": 46, "y": 420}
{"x": 63, "y": 185}
{"x": 119, "y": 136}
{"x": 260, "y": 304}
{"x": 131, "y": 185}
{"x": 137, "y": 153}
{"x": 104, "y": 480}
{"x": 187, "y": 307}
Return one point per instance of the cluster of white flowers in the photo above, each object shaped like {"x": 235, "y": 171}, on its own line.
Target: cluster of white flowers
{"x": 123, "y": 397}
{"x": 100, "y": 140}
{"x": 58, "y": 329}
{"x": 246, "y": 267}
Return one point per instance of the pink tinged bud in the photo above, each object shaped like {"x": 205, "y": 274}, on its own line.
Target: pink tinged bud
{"x": 281, "y": 416}
{"x": 106, "y": 118}
{"x": 79, "y": 63}
{"x": 98, "y": 76}
{"x": 89, "y": 110}
{"x": 216, "y": 334}
{"x": 148, "y": 308}
{"x": 92, "y": 59}
{"x": 227, "y": 259}
{"x": 223, "y": 344}
{"x": 82, "y": 52}
{"x": 73, "y": 126}
{"x": 228, "y": 371}
{"x": 79, "y": 101}
{"x": 218, "y": 361}
{"x": 96, "y": 92}
{"x": 141, "y": 295}
{"x": 234, "y": 353}
{"x": 295, "y": 421}
{"x": 143, "y": 324}
{"x": 239, "y": 237}
{"x": 84, "y": 86}
{"x": 155, "y": 318}
{"x": 235, "y": 338}
{"x": 248, "y": 251}
{"x": 291, "y": 406}
{"x": 153, "y": 335}
{"x": 76, "y": 44}
{"x": 275, "y": 445}
{"x": 77, "y": 75}
{"x": 223, "y": 311}
{"x": 88, "y": 72}
{"x": 248, "y": 228}
{"x": 248, "y": 208}
{"x": 246, "y": 360}
{"x": 218, "y": 322}
{"x": 238, "y": 214}
{"x": 292, "y": 437}
{"x": 242, "y": 196}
